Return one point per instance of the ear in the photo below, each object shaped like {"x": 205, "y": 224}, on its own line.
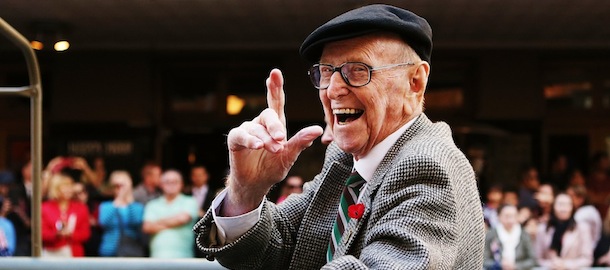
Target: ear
{"x": 419, "y": 80}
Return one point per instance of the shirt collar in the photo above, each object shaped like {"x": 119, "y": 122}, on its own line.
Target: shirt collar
{"x": 367, "y": 164}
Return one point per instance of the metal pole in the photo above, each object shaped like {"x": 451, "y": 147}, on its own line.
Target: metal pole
{"x": 34, "y": 91}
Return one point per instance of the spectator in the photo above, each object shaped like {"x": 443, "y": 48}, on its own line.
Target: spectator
{"x": 200, "y": 188}
{"x": 65, "y": 222}
{"x": 559, "y": 174}
{"x": 82, "y": 195}
{"x": 586, "y": 213}
{"x": 170, "y": 219}
{"x": 20, "y": 212}
{"x": 123, "y": 215}
{"x": 148, "y": 189}
{"x": 544, "y": 197}
{"x": 529, "y": 185}
{"x": 528, "y": 222}
{"x": 99, "y": 168}
{"x": 602, "y": 251}
{"x": 87, "y": 176}
{"x": 76, "y": 166}
{"x": 201, "y": 192}
{"x": 562, "y": 243}
{"x": 7, "y": 233}
{"x": 293, "y": 184}
{"x": 577, "y": 178}
{"x": 7, "y": 230}
{"x": 507, "y": 247}
{"x": 493, "y": 199}
{"x": 598, "y": 181}
{"x": 510, "y": 196}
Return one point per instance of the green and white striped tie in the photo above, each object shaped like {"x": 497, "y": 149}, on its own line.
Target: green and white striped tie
{"x": 349, "y": 197}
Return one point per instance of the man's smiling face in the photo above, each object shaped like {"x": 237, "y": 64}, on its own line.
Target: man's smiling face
{"x": 361, "y": 117}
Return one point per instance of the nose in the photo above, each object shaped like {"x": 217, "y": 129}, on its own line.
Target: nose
{"x": 337, "y": 86}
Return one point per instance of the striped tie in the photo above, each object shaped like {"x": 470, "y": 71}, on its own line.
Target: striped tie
{"x": 349, "y": 197}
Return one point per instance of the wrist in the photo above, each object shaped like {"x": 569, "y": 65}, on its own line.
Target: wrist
{"x": 240, "y": 200}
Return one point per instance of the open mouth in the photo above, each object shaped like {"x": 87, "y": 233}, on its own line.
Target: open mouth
{"x": 347, "y": 115}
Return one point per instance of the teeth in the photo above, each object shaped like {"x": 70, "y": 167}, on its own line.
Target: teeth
{"x": 346, "y": 111}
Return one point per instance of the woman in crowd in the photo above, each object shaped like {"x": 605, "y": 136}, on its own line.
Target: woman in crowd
{"x": 544, "y": 196}
{"x": 490, "y": 209}
{"x": 123, "y": 215}
{"x": 562, "y": 243}
{"x": 507, "y": 247}
{"x": 602, "y": 251}
{"x": 65, "y": 222}
{"x": 8, "y": 237}
{"x": 585, "y": 212}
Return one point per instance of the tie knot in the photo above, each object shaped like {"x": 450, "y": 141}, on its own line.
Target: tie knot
{"x": 354, "y": 179}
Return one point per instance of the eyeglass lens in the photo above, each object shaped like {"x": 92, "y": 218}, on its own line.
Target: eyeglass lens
{"x": 354, "y": 74}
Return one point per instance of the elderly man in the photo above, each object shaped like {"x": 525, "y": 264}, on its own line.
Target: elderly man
{"x": 394, "y": 192}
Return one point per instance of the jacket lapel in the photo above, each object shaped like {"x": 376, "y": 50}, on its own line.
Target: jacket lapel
{"x": 319, "y": 219}
{"x": 354, "y": 226}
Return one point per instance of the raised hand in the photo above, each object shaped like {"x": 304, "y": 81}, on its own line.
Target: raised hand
{"x": 260, "y": 154}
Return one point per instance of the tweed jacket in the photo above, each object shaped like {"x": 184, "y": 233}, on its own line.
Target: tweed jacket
{"x": 422, "y": 211}
{"x": 525, "y": 257}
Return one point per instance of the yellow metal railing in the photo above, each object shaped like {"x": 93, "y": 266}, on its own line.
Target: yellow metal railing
{"x": 34, "y": 92}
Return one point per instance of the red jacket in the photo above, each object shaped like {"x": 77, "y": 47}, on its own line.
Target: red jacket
{"x": 52, "y": 221}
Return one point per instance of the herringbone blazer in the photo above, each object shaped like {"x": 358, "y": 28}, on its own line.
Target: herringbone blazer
{"x": 422, "y": 211}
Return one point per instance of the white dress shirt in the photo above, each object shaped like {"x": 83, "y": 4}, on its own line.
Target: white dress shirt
{"x": 230, "y": 228}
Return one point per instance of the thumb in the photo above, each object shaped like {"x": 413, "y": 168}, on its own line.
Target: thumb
{"x": 303, "y": 139}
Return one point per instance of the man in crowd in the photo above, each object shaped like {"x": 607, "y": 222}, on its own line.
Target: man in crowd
{"x": 169, "y": 219}
{"x": 201, "y": 192}
{"x": 148, "y": 189}
{"x": 200, "y": 188}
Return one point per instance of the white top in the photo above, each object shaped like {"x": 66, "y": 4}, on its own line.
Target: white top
{"x": 589, "y": 215}
{"x": 509, "y": 241}
{"x": 230, "y": 228}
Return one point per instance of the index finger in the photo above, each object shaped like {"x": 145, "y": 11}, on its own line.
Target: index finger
{"x": 275, "y": 94}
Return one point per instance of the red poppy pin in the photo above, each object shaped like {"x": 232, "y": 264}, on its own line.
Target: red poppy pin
{"x": 355, "y": 210}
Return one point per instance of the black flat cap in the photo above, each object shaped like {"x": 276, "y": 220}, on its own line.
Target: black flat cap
{"x": 413, "y": 29}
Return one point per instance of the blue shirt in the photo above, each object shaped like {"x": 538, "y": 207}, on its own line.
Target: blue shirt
{"x": 9, "y": 232}
{"x": 131, "y": 222}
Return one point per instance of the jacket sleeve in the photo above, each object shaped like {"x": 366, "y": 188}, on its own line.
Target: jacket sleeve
{"x": 541, "y": 246}
{"x": 82, "y": 230}
{"x": 267, "y": 245}
{"x": 136, "y": 214}
{"x": 107, "y": 215}
{"x": 270, "y": 244}
{"x": 527, "y": 249}
{"x": 585, "y": 256}
{"x": 49, "y": 231}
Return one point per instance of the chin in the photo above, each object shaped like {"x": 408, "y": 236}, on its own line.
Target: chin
{"x": 347, "y": 146}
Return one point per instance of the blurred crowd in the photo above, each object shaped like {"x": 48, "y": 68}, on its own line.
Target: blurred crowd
{"x": 87, "y": 212}
{"x": 556, "y": 220}
{"x": 559, "y": 220}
